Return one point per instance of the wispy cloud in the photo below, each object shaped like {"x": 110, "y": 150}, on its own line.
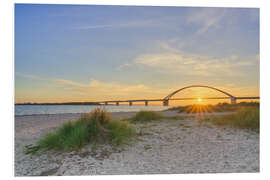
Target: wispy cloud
{"x": 193, "y": 65}
{"x": 130, "y": 24}
{"x": 54, "y": 80}
{"x": 206, "y": 18}
{"x": 96, "y": 89}
{"x": 121, "y": 66}
{"x": 170, "y": 58}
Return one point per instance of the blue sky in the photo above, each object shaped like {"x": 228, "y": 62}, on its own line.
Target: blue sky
{"x": 87, "y": 52}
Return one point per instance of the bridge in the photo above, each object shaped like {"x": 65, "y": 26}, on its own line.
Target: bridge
{"x": 166, "y": 99}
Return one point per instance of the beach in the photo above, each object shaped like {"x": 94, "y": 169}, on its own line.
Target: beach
{"x": 166, "y": 146}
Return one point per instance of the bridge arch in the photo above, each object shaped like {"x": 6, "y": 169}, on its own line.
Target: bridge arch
{"x": 166, "y": 99}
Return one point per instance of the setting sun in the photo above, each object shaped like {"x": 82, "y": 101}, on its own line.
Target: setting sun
{"x": 199, "y": 100}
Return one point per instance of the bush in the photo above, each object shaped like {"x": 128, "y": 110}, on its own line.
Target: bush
{"x": 145, "y": 116}
{"x": 93, "y": 127}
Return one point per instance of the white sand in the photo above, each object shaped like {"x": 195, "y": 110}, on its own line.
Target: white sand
{"x": 166, "y": 146}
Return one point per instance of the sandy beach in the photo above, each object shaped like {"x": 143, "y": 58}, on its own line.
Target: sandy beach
{"x": 163, "y": 147}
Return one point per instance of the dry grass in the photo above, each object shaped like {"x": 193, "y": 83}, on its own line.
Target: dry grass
{"x": 220, "y": 107}
{"x": 145, "y": 116}
{"x": 243, "y": 118}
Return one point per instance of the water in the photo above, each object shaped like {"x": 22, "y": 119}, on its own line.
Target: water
{"x": 59, "y": 109}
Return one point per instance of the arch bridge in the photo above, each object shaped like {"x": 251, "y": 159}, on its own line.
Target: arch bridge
{"x": 166, "y": 99}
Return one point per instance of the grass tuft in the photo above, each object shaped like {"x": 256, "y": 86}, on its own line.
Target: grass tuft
{"x": 92, "y": 128}
{"x": 120, "y": 131}
{"x": 146, "y": 116}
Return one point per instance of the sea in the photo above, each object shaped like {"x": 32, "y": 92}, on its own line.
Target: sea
{"x": 59, "y": 109}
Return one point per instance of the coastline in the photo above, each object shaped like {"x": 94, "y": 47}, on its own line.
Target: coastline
{"x": 29, "y": 110}
{"x": 167, "y": 146}
{"x": 122, "y": 112}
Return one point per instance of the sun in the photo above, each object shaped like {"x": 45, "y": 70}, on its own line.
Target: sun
{"x": 199, "y": 100}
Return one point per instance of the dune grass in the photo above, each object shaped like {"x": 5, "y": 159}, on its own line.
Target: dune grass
{"x": 94, "y": 127}
{"x": 220, "y": 107}
{"x": 145, "y": 116}
{"x": 243, "y": 118}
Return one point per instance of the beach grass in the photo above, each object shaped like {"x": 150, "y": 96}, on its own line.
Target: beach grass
{"x": 145, "y": 116}
{"x": 243, "y": 118}
{"x": 90, "y": 128}
{"x": 220, "y": 107}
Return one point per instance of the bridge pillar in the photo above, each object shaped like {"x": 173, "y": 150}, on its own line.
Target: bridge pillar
{"x": 165, "y": 102}
{"x": 233, "y": 100}
{"x": 146, "y": 103}
{"x": 106, "y": 103}
{"x": 130, "y": 103}
{"x": 117, "y": 103}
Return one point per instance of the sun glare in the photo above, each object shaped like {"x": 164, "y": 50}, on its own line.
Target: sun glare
{"x": 199, "y": 100}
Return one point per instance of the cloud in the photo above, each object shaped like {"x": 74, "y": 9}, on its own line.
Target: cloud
{"x": 99, "y": 90}
{"x": 192, "y": 64}
{"x": 96, "y": 90}
{"x": 171, "y": 59}
{"x": 172, "y": 46}
{"x": 206, "y": 18}
{"x": 58, "y": 81}
{"x": 121, "y": 66}
{"x": 131, "y": 24}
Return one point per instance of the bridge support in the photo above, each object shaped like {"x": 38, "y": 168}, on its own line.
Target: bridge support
{"x": 146, "y": 103}
{"x": 130, "y": 103}
{"x": 165, "y": 102}
{"x": 117, "y": 103}
{"x": 233, "y": 100}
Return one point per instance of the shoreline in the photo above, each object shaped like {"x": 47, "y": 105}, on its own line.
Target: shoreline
{"x": 111, "y": 109}
{"x": 166, "y": 147}
{"x": 178, "y": 114}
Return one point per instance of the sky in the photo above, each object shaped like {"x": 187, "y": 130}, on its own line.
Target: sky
{"x": 67, "y": 53}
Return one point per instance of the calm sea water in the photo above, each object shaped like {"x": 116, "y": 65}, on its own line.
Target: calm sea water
{"x": 58, "y": 109}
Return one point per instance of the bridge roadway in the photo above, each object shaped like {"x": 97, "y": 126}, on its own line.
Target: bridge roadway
{"x": 166, "y": 101}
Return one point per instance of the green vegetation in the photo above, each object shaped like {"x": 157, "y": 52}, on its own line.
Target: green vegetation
{"x": 244, "y": 115}
{"x": 220, "y": 107}
{"x": 244, "y": 118}
{"x": 145, "y": 116}
{"x": 97, "y": 127}
{"x": 90, "y": 128}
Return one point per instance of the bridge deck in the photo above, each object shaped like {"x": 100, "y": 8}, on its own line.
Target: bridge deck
{"x": 169, "y": 97}
{"x": 173, "y": 99}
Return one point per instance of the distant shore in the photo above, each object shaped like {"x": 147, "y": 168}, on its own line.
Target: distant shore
{"x": 63, "y": 109}
{"x": 165, "y": 146}
{"x": 64, "y": 103}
